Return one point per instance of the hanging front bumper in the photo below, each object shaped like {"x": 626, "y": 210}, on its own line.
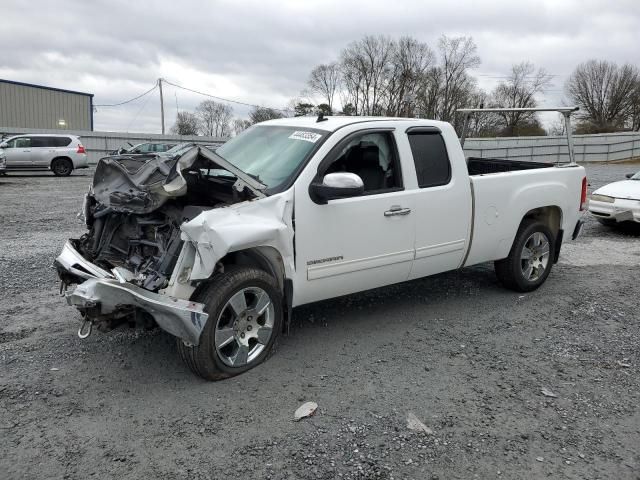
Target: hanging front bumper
{"x": 102, "y": 295}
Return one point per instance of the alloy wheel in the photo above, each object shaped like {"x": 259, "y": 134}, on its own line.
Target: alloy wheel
{"x": 244, "y": 326}
{"x": 535, "y": 256}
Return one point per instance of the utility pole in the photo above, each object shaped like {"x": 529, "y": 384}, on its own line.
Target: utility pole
{"x": 161, "y": 104}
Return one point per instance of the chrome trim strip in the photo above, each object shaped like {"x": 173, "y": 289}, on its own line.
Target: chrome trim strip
{"x": 339, "y": 268}
{"x": 440, "y": 249}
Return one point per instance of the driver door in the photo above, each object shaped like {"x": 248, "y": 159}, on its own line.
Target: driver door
{"x": 358, "y": 243}
{"x": 19, "y": 153}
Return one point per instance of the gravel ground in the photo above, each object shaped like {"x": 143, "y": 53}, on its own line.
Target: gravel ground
{"x": 467, "y": 357}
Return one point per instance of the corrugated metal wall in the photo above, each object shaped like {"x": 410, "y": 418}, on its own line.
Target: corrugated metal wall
{"x": 602, "y": 147}
{"x": 99, "y": 144}
{"x": 32, "y": 107}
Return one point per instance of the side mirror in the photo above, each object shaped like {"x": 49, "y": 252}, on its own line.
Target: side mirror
{"x": 4, "y": 145}
{"x": 628, "y": 175}
{"x": 336, "y": 185}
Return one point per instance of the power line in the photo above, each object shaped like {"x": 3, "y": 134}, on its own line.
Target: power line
{"x": 130, "y": 100}
{"x": 224, "y": 99}
{"x": 144, "y": 104}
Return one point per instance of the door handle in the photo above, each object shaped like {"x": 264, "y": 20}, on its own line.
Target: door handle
{"x": 397, "y": 210}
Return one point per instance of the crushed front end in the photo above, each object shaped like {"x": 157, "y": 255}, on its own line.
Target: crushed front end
{"x": 123, "y": 267}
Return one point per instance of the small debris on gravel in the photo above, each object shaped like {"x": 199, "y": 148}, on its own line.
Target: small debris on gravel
{"x": 305, "y": 410}
{"x": 414, "y": 423}
{"x": 548, "y": 393}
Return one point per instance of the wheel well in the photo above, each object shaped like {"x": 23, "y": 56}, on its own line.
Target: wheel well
{"x": 61, "y": 157}
{"x": 269, "y": 260}
{"x": 551, "y": 216}
{"x": 264, "y": 258}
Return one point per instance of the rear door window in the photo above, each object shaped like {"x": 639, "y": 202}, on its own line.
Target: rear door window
{"x": 41, "y": 142}
{"x": 430, "y": 158}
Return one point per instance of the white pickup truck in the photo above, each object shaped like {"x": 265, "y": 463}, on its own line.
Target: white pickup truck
{"x": 218, "y": 247}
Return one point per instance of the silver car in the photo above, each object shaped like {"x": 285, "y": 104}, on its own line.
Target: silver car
{"x": 59, "y": 153}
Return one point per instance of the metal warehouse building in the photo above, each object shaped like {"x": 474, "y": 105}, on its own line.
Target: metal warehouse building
{"x": 24, "y": 105}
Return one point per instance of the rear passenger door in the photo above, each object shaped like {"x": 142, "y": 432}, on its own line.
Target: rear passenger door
{"x": 442, "y": 203}
{"x": 42, "y": 151}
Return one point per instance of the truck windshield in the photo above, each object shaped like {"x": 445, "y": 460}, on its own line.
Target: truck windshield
{"x": 271, "y": 153}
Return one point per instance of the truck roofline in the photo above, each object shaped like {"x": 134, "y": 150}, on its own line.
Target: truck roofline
{"x": 333, "y": 123}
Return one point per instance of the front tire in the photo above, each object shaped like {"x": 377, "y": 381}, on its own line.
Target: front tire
{"x": 245, "y": 318}
{"x": 530, "y": 259}
{"x": 61, "y": 167}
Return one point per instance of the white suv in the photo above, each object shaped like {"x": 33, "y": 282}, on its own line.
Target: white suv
{"x": 59, "y": 153}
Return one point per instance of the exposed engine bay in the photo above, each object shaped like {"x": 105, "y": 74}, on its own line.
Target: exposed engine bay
{"x": 136, "y": 205}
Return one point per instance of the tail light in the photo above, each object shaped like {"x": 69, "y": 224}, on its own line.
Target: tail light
{"x": 583, "y": 195}
{"x": 80, "y": 149}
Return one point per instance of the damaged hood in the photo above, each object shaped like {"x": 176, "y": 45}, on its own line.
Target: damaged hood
{"x": 143, "y": 183}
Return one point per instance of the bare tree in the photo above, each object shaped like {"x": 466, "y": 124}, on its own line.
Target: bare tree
{"x": 447, "y": 86}
{"x": 364, "y": 66}
{"x": 262, "y": 114}
{"x": 428, "y": 93}
{"x": 457, "y": 56}
{"x": 604, "y": 92}
{"x": 634, "y": 118}
{"x": 409, "y": 62}
{"x": 557, "y": 127}
{"x": 186, "y": 124}
{"x": 381, "y": 76}
{"x": 239, "y": 125}
{"x": 481, "y": 125}
{"x": 519, "y": 91}
{"x": 324, "y": 80}
{"x": 215, "y": 118}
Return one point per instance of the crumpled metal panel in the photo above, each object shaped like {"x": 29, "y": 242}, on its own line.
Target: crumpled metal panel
{"x": 143, "y": 183}
{"x": 182, "y": 318}
{"x": 264, "y": 222}
{"x": 122, "y": 186}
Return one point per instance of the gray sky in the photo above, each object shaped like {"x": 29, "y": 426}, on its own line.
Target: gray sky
{"x": 262, "y": 51}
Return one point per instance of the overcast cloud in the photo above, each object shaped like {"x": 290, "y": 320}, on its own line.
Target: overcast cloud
{"x": 261, "y": 52}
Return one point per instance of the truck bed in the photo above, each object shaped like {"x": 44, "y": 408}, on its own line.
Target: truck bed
{"x": 500, "y": 202}
{"x": 482, "y": 166}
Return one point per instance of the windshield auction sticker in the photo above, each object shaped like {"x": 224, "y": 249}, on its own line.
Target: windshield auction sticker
{"x": 306, "y": 136}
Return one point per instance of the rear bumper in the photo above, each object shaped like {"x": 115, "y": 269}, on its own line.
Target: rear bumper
{"x": 99, "y": 294}
{"x": 80, "y": 161}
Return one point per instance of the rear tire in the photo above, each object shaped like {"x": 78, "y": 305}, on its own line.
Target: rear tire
{"x": 245, "y": 319}
{"x": 530, "y": 259}
{"x": 61, "y": 167}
